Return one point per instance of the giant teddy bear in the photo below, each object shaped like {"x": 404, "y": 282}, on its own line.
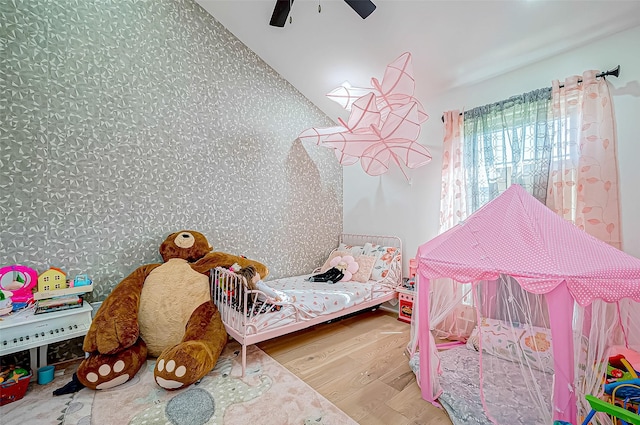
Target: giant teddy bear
{"x": 164, "y": 311}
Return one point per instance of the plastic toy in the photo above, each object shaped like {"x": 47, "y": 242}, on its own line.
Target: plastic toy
{"x": 19, "y": 280}
{"x": 80, "y": 280}
{"x": 5, "y": 303}
{"x": 598, "y": 405}
{"x": 619, "y": 369}
{"x": 52, "y": 279}
{"x": 13, "y": 374}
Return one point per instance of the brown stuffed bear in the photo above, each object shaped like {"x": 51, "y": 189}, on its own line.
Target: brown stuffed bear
{"x": 164, "y": 311}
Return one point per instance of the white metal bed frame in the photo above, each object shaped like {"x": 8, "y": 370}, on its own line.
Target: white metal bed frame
{"x": 228, "y": 291}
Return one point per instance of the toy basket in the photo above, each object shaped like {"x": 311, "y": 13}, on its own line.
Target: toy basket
{"x": 12, "y": 391}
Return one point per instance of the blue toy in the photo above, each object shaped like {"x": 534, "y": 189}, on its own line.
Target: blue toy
{"x": 81, "y": 280}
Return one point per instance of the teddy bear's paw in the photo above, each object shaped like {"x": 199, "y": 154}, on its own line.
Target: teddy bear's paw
{"x": 182, "y": 365}
{"x": 169, "y": 368}
{"x": 104, "y": 372}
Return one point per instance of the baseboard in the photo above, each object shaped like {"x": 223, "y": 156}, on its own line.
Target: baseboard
{"x": 389, "y": 309}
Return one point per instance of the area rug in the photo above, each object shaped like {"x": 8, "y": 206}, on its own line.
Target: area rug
{"x": 267, "y": 394}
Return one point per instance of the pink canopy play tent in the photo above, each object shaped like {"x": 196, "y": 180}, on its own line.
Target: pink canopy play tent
{"x": 586, "y": 297}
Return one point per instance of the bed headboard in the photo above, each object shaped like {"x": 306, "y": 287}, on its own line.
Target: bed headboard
{"x": 394, "y": 277}
{"x": 358, "y": 239}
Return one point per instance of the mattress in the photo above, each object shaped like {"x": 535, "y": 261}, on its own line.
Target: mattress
{"x": 309, "y": 300}
{"x": 461, "y": 390}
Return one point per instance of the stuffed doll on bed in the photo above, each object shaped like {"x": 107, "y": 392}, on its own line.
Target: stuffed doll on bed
{"x": 254, "y": 282}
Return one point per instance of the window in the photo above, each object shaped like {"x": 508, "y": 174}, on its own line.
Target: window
{"x": 505, "y": 143}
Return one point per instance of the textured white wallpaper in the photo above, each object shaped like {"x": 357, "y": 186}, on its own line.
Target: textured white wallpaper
{"x": 126, "y": 120}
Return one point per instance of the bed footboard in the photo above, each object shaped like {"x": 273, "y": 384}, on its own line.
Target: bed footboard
{"x": 239, "y": 305}
{"x": 230, "y": 294}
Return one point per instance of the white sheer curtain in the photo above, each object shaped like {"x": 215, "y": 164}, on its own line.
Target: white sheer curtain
{"x": 514, "y": 346}
{"x": 507, "y": 142}
{"x": 453, "y": 206}
{"x": 484, "y": 152}
{"x": 594, "y": 332}
{"x": 512, "y": 304}
{"x": 583, "y": 180}
{"x": 583, "y": 188}
{"x": 450, "y": 317}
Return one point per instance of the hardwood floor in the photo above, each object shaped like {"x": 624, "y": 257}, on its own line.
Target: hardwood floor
{"x": 359, "y": 364}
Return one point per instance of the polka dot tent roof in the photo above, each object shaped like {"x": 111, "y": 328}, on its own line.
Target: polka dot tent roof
{"x": 517, "y": 235}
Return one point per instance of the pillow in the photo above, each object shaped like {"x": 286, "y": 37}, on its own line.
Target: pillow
{"x": 335, "y": 253}
{"x": 366, "y": 263}
{"x": 345, "y": 263}
{"x": 514, "y": 342}
{"x": 385, "y": 256}
{"x": 354, "y": 250}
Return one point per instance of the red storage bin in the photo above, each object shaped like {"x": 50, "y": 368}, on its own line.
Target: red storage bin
{"x": 12, "y": 391}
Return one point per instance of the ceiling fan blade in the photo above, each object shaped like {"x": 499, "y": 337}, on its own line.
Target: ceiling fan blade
{"x": 363, "y": 8}
{"x": 280, "y": 13}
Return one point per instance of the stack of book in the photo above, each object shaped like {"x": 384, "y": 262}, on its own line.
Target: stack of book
{"x": 65, "y": 302}
{"x": 61, "y": 299}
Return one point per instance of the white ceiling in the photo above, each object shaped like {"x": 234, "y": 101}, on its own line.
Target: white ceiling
{"x": 453, "y": 43}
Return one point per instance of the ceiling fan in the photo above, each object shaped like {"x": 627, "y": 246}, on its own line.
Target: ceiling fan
{"x": 363, "y": 8}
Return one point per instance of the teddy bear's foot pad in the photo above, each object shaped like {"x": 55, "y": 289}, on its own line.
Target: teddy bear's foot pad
{"x": 101, "y": 371}
{"x": 192, "y": 362}
{"x": 106, "y": 370}
{"x": 170, "y": 367}
{"x": 113, "y": 383}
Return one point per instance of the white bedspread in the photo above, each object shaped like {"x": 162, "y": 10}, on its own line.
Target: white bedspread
{"x": 309, "y": 300}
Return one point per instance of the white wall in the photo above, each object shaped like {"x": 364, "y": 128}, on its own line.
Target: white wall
{"x": 389, "y": 205}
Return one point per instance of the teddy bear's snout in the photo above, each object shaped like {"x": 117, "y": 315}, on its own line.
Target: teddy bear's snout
{"x": 185, "y": 240}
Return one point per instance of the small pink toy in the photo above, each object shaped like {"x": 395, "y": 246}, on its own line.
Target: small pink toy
{"x": 19, "y": 280}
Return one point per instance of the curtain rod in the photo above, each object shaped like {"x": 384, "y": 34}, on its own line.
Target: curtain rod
{"x": 614, "y": 72}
